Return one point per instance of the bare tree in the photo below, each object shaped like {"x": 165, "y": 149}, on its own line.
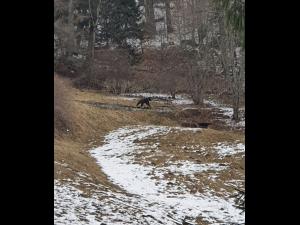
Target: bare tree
{"x": 111, "y": 70}
{"x": 220, "y": 48}
{"x": 201, "y": 68}
{"x": 238, "y": 81}
{"x": 198, "y": 80}
{"x": 232, "y": 59}
{"x": 230, "y": 44}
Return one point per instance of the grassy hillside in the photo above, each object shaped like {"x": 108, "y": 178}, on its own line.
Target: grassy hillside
{"x": 79, "y": 127}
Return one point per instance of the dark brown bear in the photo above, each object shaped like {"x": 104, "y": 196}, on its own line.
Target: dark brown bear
{"x": 144, "y": 101}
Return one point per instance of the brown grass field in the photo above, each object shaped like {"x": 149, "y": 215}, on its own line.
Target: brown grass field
{"x": 79, "y": 127}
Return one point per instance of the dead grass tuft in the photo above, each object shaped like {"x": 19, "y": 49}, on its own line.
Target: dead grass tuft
{"x": 63, "y": 116}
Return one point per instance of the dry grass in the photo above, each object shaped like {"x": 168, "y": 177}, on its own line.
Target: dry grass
{"x": 62, "y": 105}
{"x": 88, "y": 126}
{"x": 73, "y": 155}
{"x": 179, "y": 146}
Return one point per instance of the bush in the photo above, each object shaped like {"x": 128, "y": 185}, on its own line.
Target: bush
{"x": 110, "y": 70}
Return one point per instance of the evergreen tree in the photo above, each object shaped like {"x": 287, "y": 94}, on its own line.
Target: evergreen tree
{"x": 235, "y": 16}
{"x": 119, "y": 22}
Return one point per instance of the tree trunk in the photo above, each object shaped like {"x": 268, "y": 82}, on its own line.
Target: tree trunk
{"x": 236, "y": 109}
{"x": 78, "y": 41}
{"x": 198, "y": 94}
{"x": 70, "y": 11}
{"x": 168, "y": 17}
{"x": 173, "y": 93}
{"x": 91, "y": 44}
{"x": 236, "y": 86}
{"x": 71, "y": 36}
{"x": 89, "y": 63}
{"x": 150, "y": 18}
{"x": 184, "y": 25}
{"x": 179, "y": 19}
{"x": 193, "y": 23}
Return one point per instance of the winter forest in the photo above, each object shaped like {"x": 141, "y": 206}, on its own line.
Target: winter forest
{"x": 149, "y": 112}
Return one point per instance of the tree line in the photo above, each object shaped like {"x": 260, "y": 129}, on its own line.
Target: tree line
{"x": 103, "y": 43}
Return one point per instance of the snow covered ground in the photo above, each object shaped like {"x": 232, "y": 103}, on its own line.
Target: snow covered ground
{"x": 181, "y": 100}
{"x": 71, "y": 207}
{"x": 156, "y": 195}
{"x": 188, "y": 168}
{"x": 224, "y": 149}
{"x": 147, "y": 94}
{"x": 228, "y": 112}
{"x": 150, "y": 198}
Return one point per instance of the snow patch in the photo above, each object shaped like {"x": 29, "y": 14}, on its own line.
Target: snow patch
{"x": 183, "y": 101}
{"x": 179, "y": 100}
{"x": 116, "y": 160}
{"x": 225, "y": 149}
{"x": 228, "y": 112}
{"x": 189, "y": 168}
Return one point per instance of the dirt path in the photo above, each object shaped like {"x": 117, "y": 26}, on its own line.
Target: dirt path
{"x": 121, "y": 107}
